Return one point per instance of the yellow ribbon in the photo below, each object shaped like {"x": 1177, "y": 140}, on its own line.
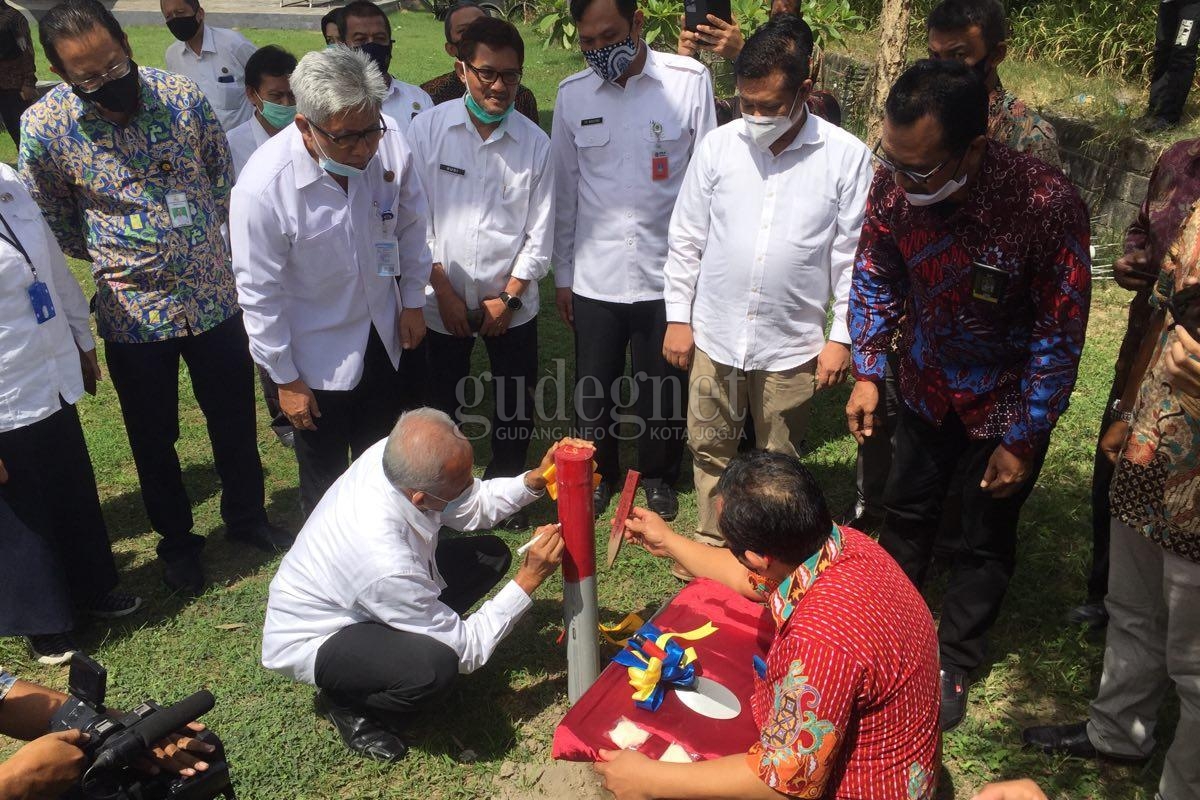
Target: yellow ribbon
{"x": 551, "y": 476}
{"x": 645, "y": 680}
{"x": 619, "y": 633}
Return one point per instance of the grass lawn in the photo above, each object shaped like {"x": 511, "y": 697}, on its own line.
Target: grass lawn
{"x": 506, "y": 712}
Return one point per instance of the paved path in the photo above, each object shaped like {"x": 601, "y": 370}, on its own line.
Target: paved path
{"x": 222, "y": 13}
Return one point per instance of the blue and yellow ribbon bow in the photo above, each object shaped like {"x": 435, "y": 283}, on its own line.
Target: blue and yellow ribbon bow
{"x": 655, "y": 659}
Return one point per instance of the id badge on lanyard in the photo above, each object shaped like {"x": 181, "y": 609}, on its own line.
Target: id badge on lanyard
{"x": 660, "y": 165}
{"x": 386, "y": 248}
{"x": 38, "y": 291}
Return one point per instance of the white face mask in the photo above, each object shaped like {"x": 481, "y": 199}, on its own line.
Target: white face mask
{"x": 765, "y": 131}
{"x": 948, "y": 188}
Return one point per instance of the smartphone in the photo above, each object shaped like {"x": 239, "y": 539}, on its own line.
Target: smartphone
{"x": 1185, "y": 309}
{"x": 695, "y": 12}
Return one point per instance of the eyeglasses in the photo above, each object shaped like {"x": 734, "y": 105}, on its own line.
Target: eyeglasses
{"x": 370, "y": 135}
{"x": 912, "y": 175}
{"x": 511, "y": 77}
{"x": 112, "y": 74}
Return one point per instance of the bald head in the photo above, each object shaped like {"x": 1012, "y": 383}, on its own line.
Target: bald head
{"x": 425, "y": 452}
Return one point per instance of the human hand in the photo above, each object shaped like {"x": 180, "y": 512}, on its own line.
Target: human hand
{"x": 46, "y": 767}
{"x": 1132, "y": 270}
{"x": 542, "y": 559}
{"x": 453, "y": 312}
{"x": 496, "y": 317}
{"x": 721, "y": 37}
{"x": 91, "y": 370}
{"x": 412, "y": 327}
{"x": 3, "y": 473}
{"x": 1005, "y": 473}
{"x": 860, "y": 410}
{"x": 649, "y": 530}
{"x": 833, "y": 363}
{"x": 535, "y": 479}
{"x": 1183, "y": 363}
{"x": 1024, "y": 789}
{"x": 297, "y": 401}
{"x": 1113, "y": 440}
{"x": 180, "y": 752}
{"x": 622, "y": 772}
{"x": 29, "y": 92}
{"x": 679, "y": 345}
{"x": 686, "y": 46}
{"x": 564, "y": 298}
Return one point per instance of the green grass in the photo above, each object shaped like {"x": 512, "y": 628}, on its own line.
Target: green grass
{"x": 507, "y": 711}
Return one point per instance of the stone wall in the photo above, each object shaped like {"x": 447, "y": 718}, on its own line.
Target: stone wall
{"x": 1111, "y": 174}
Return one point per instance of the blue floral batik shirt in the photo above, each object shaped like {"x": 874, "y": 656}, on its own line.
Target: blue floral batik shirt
{"x": 104, "y": 189}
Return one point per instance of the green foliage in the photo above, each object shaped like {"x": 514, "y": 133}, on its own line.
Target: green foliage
{"x": 555, "y": 23}
{"x": 830, "y": 20}
{"x": 750, "y": 14}
{"x": 662, "y": 23}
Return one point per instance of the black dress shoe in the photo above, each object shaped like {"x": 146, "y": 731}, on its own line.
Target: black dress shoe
{"x": 361, "y": 734}
{"x": 266, "y": 536}
{"x": 955, "y": 686}
{"x": 186, "y": 577}
{"x": 600, "y": 497}
{"x": 662, "y": 501}
{"x": 1092, "y": 613}
{"x": 1062, "y": 740}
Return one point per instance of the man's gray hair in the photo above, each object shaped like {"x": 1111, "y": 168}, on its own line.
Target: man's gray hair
{"x": 416, "y": 450}
{"x": 336, "y": 80}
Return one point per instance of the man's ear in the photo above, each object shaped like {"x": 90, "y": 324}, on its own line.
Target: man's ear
{"x": 200, "y": 15}
{"x": 998, "y": 54}
{"x": 758, "y": 562}
{"x": 451, "y": 49}
{"x": 639, "y": 21}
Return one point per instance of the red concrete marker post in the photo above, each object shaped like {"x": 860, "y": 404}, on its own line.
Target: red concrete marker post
{"x": 575, "y": 511}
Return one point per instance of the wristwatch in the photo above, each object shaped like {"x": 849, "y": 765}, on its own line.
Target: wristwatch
{"x": 511, "y": 302}
{"x": 1116, "y": 413}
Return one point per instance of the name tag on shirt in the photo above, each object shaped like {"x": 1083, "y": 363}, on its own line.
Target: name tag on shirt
{"x": 225, "y": 79}
{"x": 43, "y": 304}
{"x": 177, "y": 207}
{"x": 452, "y": 170}
{"x": 988, "y": 283}
{"x": 592, "y": 121}
{"x": 387, "y": 258}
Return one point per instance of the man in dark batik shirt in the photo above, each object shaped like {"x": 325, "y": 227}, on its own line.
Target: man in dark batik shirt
{"x": 978, "y": 256}
{"x": 445, "y": 88}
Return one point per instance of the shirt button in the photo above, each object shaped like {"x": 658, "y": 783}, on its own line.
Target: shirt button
{"x": 629, "y": 242}
{"x": 628, "y": 213}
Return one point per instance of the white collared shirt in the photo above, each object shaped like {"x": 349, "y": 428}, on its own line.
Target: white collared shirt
{"x": 761, "y": 244}
{"x": 610, "y": 231}
{"x": 367, "y": 554}
{"x": 244, "y": 140}
{"x": 219, "y": 70}
{"x": 491, "y": 205}
{"x": 404, "y": 101}
{"x": 38, "y": 363}
{"x": 304, "y": 259}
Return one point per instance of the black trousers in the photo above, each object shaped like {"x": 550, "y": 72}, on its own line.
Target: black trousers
{"x": 514, "y": 361}
{"x": 658, "y": 392}
{"x": 1102, "y": 475}
{"x": 270, "y": 392}
{"x": 874, "y": 462}
{"x": 56, "y": 553}
{"x": 923, "y": 464}
{"x": 1175, "y": 44}
{"x": 389, "y": 674}
{"x": 350, "y": 422}
{"x": 146, "y": 377}
{"x": 12, "y": 106}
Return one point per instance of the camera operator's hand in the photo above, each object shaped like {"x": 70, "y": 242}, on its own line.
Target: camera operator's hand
{"x": 44, "y": 768}
{"x": 180, "y": 752}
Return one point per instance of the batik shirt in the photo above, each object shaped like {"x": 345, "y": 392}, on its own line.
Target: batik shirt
{"x": 1006, "y": 366}
{"x": 103, "y": 189}
{"x": 1015, "y": 124}
{"x": 848, "y": 702}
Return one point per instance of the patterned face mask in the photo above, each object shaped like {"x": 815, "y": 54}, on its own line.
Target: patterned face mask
{"x": 611, "y": 62}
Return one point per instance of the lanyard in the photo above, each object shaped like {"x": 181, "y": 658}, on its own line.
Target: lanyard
{"x": 12, "y": 239}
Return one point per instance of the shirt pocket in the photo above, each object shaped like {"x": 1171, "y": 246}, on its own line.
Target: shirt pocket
{"x": 230, "y": 94}
{"x": 321, "y": 261}
{"x": 664, "y": 135}
{"x": 810, "y": 221}
{"x": 512, "y": 211}
{"x": 590, "y": 141}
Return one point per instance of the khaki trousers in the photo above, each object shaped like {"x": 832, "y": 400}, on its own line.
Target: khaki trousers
{"x": 719, "y": 397}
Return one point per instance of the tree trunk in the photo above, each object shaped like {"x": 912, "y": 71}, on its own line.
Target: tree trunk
{"x": 893, "y": 44}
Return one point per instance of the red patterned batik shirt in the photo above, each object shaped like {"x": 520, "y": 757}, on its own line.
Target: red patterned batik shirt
{"x": 848, "y": 704}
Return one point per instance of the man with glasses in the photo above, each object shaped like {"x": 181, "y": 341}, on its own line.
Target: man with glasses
{"x": 973, "y": 265}
{"x": 331, "y": 263}
{"x": 370, "y": 605}
{"x": 364, "y": 26}
{"x": 450, "y": 86}
{"x": 215, "y": 58}
{"x": 624, "y": 131}
{"x": 486, "y": 172}
{"x": 131, "y": 170}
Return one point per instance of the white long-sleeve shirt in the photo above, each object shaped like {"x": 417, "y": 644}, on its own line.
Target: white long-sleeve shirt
{"x": 38, "y": 363}
{"x": 404, "y": 102}
{"x": 305, "y": 263}
{"x": 243, "y": 141}
{"x": 611, "y": 215}
{"x": 490, "y": 203}
{"x": 367, "y": 555}
{"x": 760, "y": 245}
{"x": 219, "y": 71}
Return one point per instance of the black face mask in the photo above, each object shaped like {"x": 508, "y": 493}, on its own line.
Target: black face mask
{"x": 120, "y": 96}
{"x": 381, "y": 54}
{"x": 183, "y": 28}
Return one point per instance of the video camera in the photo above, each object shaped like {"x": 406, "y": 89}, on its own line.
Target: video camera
{"x": 115, "y": 745}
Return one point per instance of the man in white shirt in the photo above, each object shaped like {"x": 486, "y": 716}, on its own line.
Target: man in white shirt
{"x": 331, "y": 263}
{"x": 364, "y": 26}
{"x": 486, "y": 173}
{"x": 269, "y": 90}
{"x": 624, "y": 131}
{"x": 215, "y": 58}
{"x": 369, "y": 604}
{"x": 762, "y": 240}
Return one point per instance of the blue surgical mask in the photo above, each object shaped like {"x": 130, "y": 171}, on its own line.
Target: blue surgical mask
{"x": 481, "y": 114}
{"x": 335, "y": 167}
{"x": 611, "y": 62}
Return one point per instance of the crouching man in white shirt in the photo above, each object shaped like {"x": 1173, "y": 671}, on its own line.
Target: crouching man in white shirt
{"x": 368, "y": 603}
{"x": 761, "y": 242}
